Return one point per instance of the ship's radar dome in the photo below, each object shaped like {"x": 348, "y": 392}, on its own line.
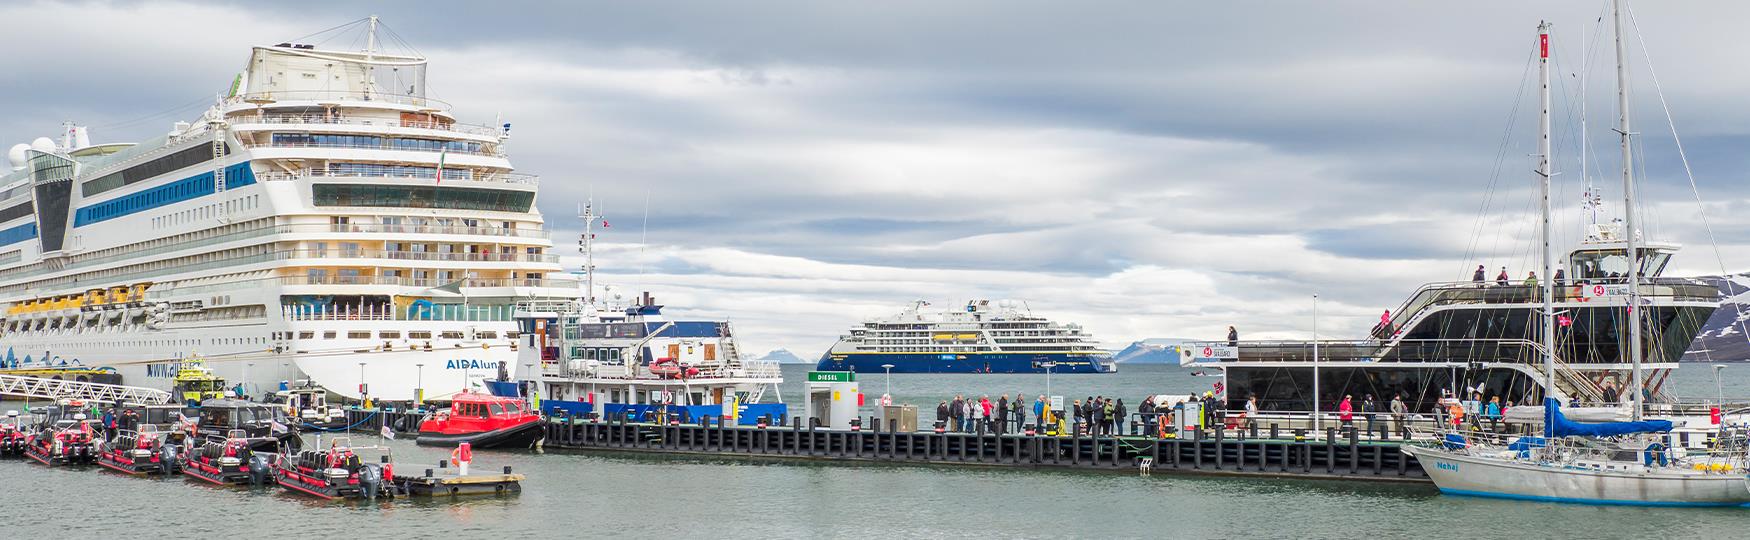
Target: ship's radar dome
{"x": 16, "y": 156}
{"x": 43, "y": 144}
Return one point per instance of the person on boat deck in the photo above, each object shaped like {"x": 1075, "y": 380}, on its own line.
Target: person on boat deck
{"x": 1368, "y": 408}
{"x": 1233, "y": 337}
{"x": 1480, "y": 276}
{"x": 1611, "y": 394}
{"x": 1560, "y": 278}
{"x": 1492, "y": 411}
{"x": 1502, "y": 278}
{"x": 1531, "y": 280}
{"x": 1346, "y": 411}
{"x": 1383, "y": 330}
{"x": 1473, "y": 407}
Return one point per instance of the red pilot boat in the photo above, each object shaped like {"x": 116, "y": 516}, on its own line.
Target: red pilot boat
{"x": 230, "y": 461}
{"x": 67, "y": 442}
{"x": 337, "y": 472}
{"x": 483, "y": 421}
{"x": 136, "y": 453}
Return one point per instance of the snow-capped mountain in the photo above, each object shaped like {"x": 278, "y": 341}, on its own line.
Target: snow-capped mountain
{"x": 1150, "y": 351}
{"x": 1723, "y": 339}
{"x": 783, "y": 356}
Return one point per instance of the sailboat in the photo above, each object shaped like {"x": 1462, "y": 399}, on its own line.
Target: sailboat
{"x": 1627, "y": 463}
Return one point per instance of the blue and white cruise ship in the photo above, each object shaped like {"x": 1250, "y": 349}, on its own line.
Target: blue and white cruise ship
{"x": 982, "y": 337}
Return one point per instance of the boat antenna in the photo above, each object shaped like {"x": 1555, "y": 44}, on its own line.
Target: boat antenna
{"x": 586, "y": 244}
{"x": 1629, "y": 232}
{"x": 1544, "y": 174}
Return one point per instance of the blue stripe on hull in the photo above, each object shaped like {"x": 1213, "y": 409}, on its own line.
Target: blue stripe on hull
{"x": 963, "y": 363}
{"x": 1571, "y": 500}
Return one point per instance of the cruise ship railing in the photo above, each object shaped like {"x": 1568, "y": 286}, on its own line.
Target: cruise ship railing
{"x": 342, "y": 253}
{"x": 161, "y": 292}
{"x": 345, "y": 120}
{"x": 379, "y": 146}
{"x": 254, "y": 99}
{"x": 378, "y": 312}
{"x": 497, "y": 177}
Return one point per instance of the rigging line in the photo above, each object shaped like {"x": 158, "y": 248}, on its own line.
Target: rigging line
{"x": 167, "y": 112}
{"x": 1471, "y": 250}
{"x": 1694, "y": 190}
{"x": 327, "y": 30}
{"x": 643, "y": 234}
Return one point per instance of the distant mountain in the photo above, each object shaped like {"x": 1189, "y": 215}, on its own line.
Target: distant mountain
{"x": 784, "y": 356}
{"x": 1722, "y": 339}
{"x": 1150, "y": 351}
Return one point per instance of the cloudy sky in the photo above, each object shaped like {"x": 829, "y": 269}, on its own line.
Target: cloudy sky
{"x": 1149, "y": 169}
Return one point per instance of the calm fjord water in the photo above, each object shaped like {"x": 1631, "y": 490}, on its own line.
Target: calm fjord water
{"x": 570, "y": 495}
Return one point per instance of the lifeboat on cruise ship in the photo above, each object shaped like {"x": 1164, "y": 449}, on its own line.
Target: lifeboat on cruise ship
{"x": 67, "y": 442}
{"x": 337, "y": 472}
{"x": 231, "y": 461}
{"x": 482, "y": 421}
{"x": 137, "y": 452}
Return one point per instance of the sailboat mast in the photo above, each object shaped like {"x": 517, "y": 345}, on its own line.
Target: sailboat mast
{"x": 1629, "y": 231}
{"x": 1544, "y": 174}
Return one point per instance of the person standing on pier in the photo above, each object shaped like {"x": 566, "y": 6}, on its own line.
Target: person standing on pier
{"x": 1346, "y": 412}
{"x": 957, "y": 412}
{"x": 1119, "y": 414}
{"x": 1039, "y": 410}
{"x": 1100, "y": 409}
{"x": 942, "y": 414}
{"x": 1018, "y": 411}
{"x": 1398, "y": 410}
{"x": 1252, "y": 411}
{"x": 1078, "y": 413}
{"x": 1368, "y": 407}
{"x": 983, "y": 413}
{"x": 1002, "y": 415}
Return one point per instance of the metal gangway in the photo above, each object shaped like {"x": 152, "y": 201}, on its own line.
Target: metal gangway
{"x": 58, "y": 389}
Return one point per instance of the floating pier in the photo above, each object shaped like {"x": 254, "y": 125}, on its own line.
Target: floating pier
{"x": 1331, "y": 454}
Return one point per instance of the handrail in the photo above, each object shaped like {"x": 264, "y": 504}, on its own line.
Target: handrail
{"x": 1490, "y": 292}
{"x": 344, "y": 120}
{"x": 472, "y": 176}
{"x": 271, "y": 144}
{"x": 253, "y": 98}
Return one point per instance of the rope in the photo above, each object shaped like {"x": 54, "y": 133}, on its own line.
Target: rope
{"x": 1694, "y": 190}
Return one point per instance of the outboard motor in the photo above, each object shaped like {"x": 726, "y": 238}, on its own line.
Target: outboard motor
{"x": 258, "y": 470}
{"x": 167, "y": 455}
{"x": 371, "y": 481}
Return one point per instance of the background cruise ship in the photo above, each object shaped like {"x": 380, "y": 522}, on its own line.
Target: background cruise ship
{"x": 1004, "y": 337}
{"x": 324, "y": 220}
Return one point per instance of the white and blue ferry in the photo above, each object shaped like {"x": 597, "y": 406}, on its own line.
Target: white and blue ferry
{"x": 982, "y": 337}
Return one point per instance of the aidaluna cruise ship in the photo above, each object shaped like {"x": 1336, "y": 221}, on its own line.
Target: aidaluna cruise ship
{"x": 325, "y": 220}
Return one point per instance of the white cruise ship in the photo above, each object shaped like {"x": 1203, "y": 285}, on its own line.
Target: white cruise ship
{"x": 325, "y": 221}
{"x": 983, "y": 337}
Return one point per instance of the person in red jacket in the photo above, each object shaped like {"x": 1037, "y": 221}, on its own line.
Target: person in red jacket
{"x": 1346, "y": 412}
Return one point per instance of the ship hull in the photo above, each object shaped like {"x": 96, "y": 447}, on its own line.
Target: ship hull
{"x": 1467, "y": 475}
{"x": 966, "y": 363}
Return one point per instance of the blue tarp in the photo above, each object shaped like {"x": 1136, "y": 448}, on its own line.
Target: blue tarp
{"x": 1524, "y": 445}
{"x": 1556, "y": 425}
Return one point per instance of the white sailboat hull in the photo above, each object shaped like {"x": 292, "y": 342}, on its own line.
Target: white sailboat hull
{"x": 1460, "y": 474}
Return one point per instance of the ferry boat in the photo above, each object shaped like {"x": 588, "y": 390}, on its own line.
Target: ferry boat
{"x": 482, "y": 421}
{"x": 984, "y": 337}
{"x": 602, "y": 357}
{"x": 326, "y": 219}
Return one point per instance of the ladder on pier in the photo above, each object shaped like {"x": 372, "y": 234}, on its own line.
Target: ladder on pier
{"x": 57, "y": 389}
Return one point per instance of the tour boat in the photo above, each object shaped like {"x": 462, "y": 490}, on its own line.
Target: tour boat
{"x": 336, "y": 472}
{"x": 483, "y": 421}
{"x": 141, "y": 452}
{"x": 12, "y": 440}
{"x": 66, "y": 442}
{"x": 230, "y": 461}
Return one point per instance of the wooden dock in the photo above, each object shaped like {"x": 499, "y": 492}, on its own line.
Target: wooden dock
{"x": 1332, "y": 454}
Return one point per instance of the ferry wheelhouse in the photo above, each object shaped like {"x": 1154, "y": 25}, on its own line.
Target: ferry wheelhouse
{"x": 1449, "y": 337}
{"x": 984, "y": 337}
{"x": 325, "y": 220}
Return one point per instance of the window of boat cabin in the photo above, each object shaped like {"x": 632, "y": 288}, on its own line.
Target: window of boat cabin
{"x": 497, "y": 409}
{"x": 1613, "y": 264}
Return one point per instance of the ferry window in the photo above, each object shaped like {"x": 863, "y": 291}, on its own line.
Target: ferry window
{"x": 389, "y": 334}
{"x": 418, "y": 335}
{"x": 450, "y": 335}
{"x": 511, "y": 334}
{"x": 614, "y": 354}
{"x": 306, "y": 335}
{"x": 328, "y": 335}
{"x": 588, "y": 354}
{"x": 358, "y": 335}
{"x": 488, "y": 334}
